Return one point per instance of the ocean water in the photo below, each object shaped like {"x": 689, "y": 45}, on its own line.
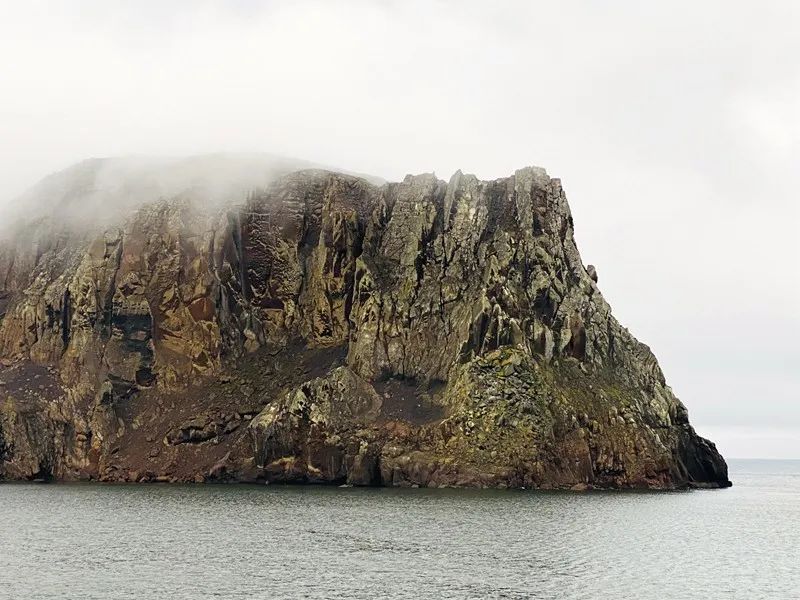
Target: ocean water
{"x": 92, "y": 541}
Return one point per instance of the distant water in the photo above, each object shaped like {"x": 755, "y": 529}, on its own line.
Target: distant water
{"x": 88, "y": 541}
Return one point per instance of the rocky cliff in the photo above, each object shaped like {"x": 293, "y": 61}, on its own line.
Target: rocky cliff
{"x": 327, "y": 329}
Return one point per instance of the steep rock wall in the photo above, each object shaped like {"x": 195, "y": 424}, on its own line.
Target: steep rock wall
{"x": 326, "y": 329}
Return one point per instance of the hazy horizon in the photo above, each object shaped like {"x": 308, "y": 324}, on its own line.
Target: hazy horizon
{"x": 675, "y": 130}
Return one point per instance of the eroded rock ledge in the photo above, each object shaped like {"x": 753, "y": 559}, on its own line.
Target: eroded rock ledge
{"x": 329, "y": 330}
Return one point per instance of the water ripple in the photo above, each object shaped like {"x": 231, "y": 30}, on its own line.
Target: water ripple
{"x": 181, "y": 542}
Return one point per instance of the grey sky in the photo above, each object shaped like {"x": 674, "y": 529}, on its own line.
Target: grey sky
{"x": 675, "y": 128}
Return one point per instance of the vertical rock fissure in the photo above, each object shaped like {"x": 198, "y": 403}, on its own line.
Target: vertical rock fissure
{"x": 66, "y": 317}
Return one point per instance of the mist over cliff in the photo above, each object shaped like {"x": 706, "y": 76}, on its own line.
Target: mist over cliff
{"x": 96, "y": 192}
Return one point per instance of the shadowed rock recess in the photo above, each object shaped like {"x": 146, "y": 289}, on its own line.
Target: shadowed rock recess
{"x": 326, "y": 329}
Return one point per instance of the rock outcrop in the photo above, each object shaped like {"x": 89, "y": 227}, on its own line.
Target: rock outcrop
{"x": 327, "y": 329}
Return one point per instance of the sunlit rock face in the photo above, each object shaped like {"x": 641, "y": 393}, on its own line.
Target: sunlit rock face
{"x": 327, "y": 329}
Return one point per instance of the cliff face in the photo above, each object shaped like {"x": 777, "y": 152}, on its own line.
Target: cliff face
{"x": 330, "y": 330}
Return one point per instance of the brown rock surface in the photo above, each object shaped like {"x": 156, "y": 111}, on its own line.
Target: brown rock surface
{"x": 326, "y": 329}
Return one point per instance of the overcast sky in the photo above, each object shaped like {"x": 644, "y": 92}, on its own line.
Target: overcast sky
{"x": 675, "y": 127}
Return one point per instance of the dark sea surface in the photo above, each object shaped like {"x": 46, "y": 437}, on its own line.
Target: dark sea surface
{"x": 87, "y": 541}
